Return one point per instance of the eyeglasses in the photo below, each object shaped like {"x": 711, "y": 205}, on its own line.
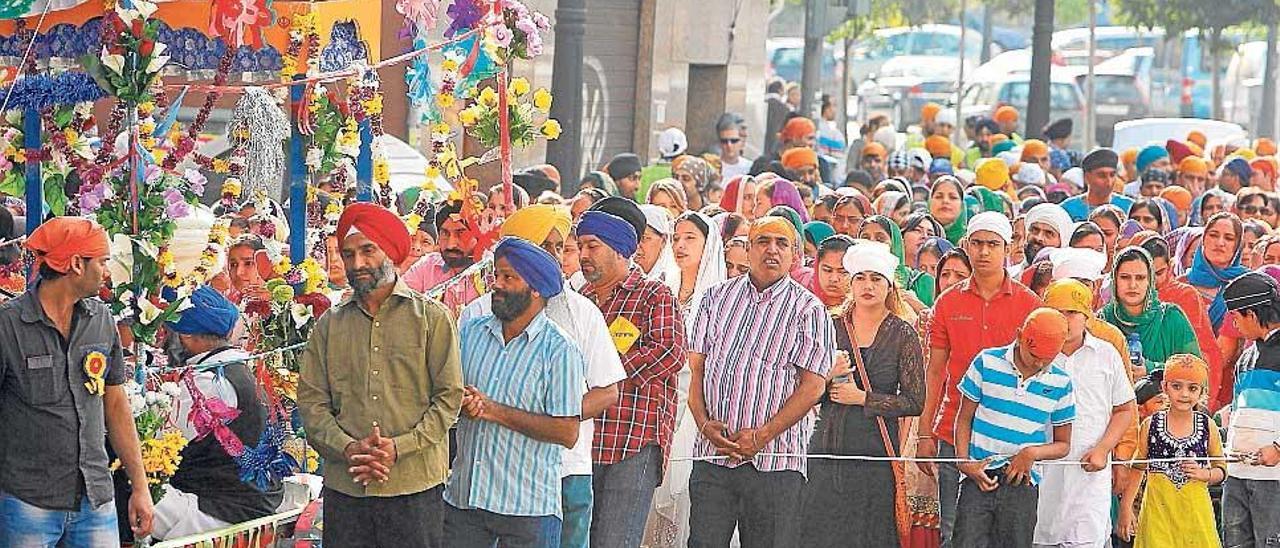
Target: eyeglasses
{"x": 730, "y": 141}
{"x": 1256, "y": 210}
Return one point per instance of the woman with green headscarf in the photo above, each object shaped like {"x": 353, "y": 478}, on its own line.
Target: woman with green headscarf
{"x": 879, "y": 228}
{"x": 947, "y": 205}
{"x": 1162, "y": 328}
{"x": 814, "y": 233}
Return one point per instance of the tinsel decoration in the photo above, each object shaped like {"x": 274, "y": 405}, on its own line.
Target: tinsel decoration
{"x": 267, "y": 462}
{"x": 259, "y": 128}
{"x": 40, "y": 92}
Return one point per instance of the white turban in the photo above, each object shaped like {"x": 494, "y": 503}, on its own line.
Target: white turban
{"x": 991, "y": 221}
{"x": 1079, "y": 263}
{"x": 870, "y": 256}
{"x": 1055, "y": 217}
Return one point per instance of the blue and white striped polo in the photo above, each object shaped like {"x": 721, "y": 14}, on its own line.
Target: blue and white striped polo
{"x": 541, "y": 371}
{"x": 1014, "y": 412}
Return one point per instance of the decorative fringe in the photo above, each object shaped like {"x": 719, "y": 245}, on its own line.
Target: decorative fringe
{"x": 268, "y": 462}
{"x": 259, "y": 127}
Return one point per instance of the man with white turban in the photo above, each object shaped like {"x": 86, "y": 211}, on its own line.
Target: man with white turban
{"x": 1048, "y": 226}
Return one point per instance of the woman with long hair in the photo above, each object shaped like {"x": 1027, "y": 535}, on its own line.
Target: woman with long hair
{"x": 878, "y": 377}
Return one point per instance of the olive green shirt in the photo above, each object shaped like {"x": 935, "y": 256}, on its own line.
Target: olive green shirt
{"x": 399, "y": 368}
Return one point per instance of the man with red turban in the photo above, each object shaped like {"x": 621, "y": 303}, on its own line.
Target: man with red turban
{"x": 381, "y": 385}
{"x": 58, "y": 401}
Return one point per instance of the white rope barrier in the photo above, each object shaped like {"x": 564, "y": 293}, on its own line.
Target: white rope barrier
{"x": 938, "y": 460}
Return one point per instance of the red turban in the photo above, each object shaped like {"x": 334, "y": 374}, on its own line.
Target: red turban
{"x": 56, "y": 242}
{"x": 380, "y": 225}
{"x": 1177, "y": 151}
{"x": 798, "y": 128}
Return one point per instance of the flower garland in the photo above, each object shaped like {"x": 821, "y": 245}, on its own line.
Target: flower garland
{"x": 364, "y": 101}
{"x": 184, "y": 145}
{"x": 523, "y": 108}
{"x": 131, "y": 57}
{"x": 304, "y": 38}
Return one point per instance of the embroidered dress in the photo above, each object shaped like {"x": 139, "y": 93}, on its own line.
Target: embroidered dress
{"x": 1176, "y": 510}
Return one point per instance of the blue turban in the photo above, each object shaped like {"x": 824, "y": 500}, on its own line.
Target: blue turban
{"x": 611, "y": 229}
{"x": 210, "y": 314}
{"x": 538, "y": 268}
{"x": 1148, "y": 156}
{"x": 1241, "y": 169}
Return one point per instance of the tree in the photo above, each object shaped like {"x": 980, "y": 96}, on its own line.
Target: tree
{"x": 1041, "y": 51}
{"x": 1210, "y": 18}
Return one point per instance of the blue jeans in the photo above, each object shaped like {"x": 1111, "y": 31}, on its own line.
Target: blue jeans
{"x": 1251, "y": 513}
{"x": 623, "y": 494}
{"x": 948, "y": 491}
{"x": 25, "y": 526}
{"x": 485, "y": 529}
{"x": 575, "y": 504}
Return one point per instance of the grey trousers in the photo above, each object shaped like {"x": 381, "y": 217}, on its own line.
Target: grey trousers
{"x": 999, "y": 518}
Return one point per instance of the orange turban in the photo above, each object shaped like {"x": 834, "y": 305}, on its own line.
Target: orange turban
{"x": 1265, "y": 147}
{"x": 1198, "y": 138}
{"x": 998, "y": 138}
{"x": 1032, "y": 148}
{"x": 1005, "y": 114}
{"x": 1264, "y": 164}
{"x": 874, "y": 149}
{"x": 773, "y": 225}
{"x": 1194, "y": 165}
{"x": 929, "y": 112}
{"x": 1044, "y": 332}
{"x": 380, "y": 225}
{"x": 1186, "y": 367}
{"x": 1129, "y": 156}
{"x": 58, "y": 241}
{"x": 1196, "y": 149}
{"x": 1178, "y": 196}
{"x": 799, "y": 157}
{"x": 938, "y": 146}
{"x": 798, "y": 128}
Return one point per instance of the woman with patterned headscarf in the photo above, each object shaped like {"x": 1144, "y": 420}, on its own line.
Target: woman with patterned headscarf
{"x": 697, "y": 176}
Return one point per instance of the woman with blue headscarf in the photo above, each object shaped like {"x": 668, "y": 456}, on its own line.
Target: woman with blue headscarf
{"x": 1217, "y": 262}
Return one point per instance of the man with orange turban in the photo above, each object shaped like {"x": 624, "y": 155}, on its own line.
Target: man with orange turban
{"x": 1006, "y": 117}
{"x": 73, "y": 399}
{"x": 873, "y": 160}
{"x": 798, "y": 132}
{"x": 1264, "y": 173}
{"x": 801, "y": 164}
{"x": 1035, "y": 151}
{"x": 380, "y": 387}
{"x": 938, "y": 146}
{"x": 1193, "y": 174}
{"x": 1195, "y": 136}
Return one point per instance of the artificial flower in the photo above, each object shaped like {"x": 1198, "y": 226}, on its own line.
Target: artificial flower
{"x": 551, "y": 129}
{"x": 488, "y": 97}
{"x": 148, "y": 312}
{"x": 542, "y": 100}
{"x": 113, "y": 62}
{"x": 519, "y": 86}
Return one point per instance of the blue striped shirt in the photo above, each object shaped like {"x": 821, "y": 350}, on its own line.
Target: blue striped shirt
{"x": 541, "y": 371}
{"x": 757, "y": 344}
{"x": 1014, "y": 412}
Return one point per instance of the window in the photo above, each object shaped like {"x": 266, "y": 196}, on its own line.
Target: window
{"x": 935, "y": 43}
{"x": 972, "y": 96}
{"x": 1062, "y": 96}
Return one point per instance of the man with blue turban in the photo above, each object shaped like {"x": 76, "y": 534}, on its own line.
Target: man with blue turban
{"x": 207, "y": 492}
{"x": 633, "y": 437}
{"x": 546, "y": 226}
{"x": 524, "y": 379}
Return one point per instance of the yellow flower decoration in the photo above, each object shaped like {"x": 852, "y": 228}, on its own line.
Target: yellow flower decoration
{"x": 519, "y": 86}
{"x": 468, "y": 116}
{"x": 381, "y": 171}
{"x": 433, "y": 172}
{"x": 445, "y": 100}
{"x": 449, "y": 64}
{"x": 542, "y": 100}
{"x": 551, "y": 129}
{"x": 488, "y": 97}
{"x": 221, "y": 165}
{"x": 374, "y": 105}
{"x": 231, "y": 186}
{"x": 440, "y": 128}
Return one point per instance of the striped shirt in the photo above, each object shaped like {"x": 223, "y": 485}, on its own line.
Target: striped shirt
{"x": 756, "y": 345}
{"x": 539, "y": 371}
{"x": 1014, "y": 412}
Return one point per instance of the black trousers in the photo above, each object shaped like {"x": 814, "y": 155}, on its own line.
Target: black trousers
{"x": 763, "y": 506}
{"x": 406, "y": 521}
{"x": 988, "y": 519}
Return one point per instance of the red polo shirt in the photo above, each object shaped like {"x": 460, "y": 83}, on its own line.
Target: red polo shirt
{"x": 964, "y": 324}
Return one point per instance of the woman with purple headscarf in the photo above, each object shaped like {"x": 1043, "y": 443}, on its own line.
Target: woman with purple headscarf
{"x": 776, "y": 192}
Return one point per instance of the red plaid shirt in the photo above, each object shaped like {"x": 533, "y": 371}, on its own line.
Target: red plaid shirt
{"x": 646, "y": 408}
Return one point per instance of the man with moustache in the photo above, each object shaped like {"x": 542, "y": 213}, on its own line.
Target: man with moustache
{"x": 1048, "y": 226}
{"x": 456, "y": 251}
{"x": 547, "y": 226}
{"x": 525, "y": 379}
{"x": 381, "y": 385}
{"x": 633, "y": 437}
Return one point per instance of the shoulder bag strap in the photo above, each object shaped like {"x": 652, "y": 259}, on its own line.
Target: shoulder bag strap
{"x": 866, "y": 386}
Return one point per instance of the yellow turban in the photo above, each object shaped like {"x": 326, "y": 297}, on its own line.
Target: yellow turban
{"x": 993, "y": 174}
{"x": 773, "y": 225}
{"x": 1186, "y": 367}
{"x": 535, "y": 222}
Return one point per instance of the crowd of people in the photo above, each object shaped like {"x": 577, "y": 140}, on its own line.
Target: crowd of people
{"x": 909, "y": 342}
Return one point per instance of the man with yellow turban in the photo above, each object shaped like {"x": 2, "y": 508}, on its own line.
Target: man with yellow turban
{"x": 63, "y": 367}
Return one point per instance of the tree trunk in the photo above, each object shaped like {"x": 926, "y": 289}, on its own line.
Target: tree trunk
{"x": 1267, "y": 128}
{"x": 1215, "y": 62}
{"x": 1038, "y": 94}
{"x": 986, "y": 32}
{"x": 811, "y": 74}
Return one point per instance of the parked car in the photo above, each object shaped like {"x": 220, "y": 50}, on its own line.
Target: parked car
{"x": 1243, "y": 84}
{"x": 902, "y": 88}
{"x": 785, "y": 58}
{"x": 1006, "y": 63}
{"x": 1117, "y": 96}
{"x": 1106, "y": 38}
{"x": 1147, "y": 131}
{"x": 885, "y": 45}
{"x": 1065, "y": 100}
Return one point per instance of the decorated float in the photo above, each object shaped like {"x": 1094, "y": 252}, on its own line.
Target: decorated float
{"x": 94, "y": 125}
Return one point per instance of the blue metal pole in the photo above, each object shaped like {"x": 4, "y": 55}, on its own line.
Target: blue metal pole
{"x": 364, "y": 164}
{"x": 297, "y": 179}
{"x": 35, "y": 188}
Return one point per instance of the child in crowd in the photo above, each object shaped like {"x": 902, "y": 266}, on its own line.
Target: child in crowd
{"x": 1176, "y": 510}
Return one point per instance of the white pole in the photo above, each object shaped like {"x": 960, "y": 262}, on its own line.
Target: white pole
{"x": 1090, "y": 121}
{"x": 959, "y": 128}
